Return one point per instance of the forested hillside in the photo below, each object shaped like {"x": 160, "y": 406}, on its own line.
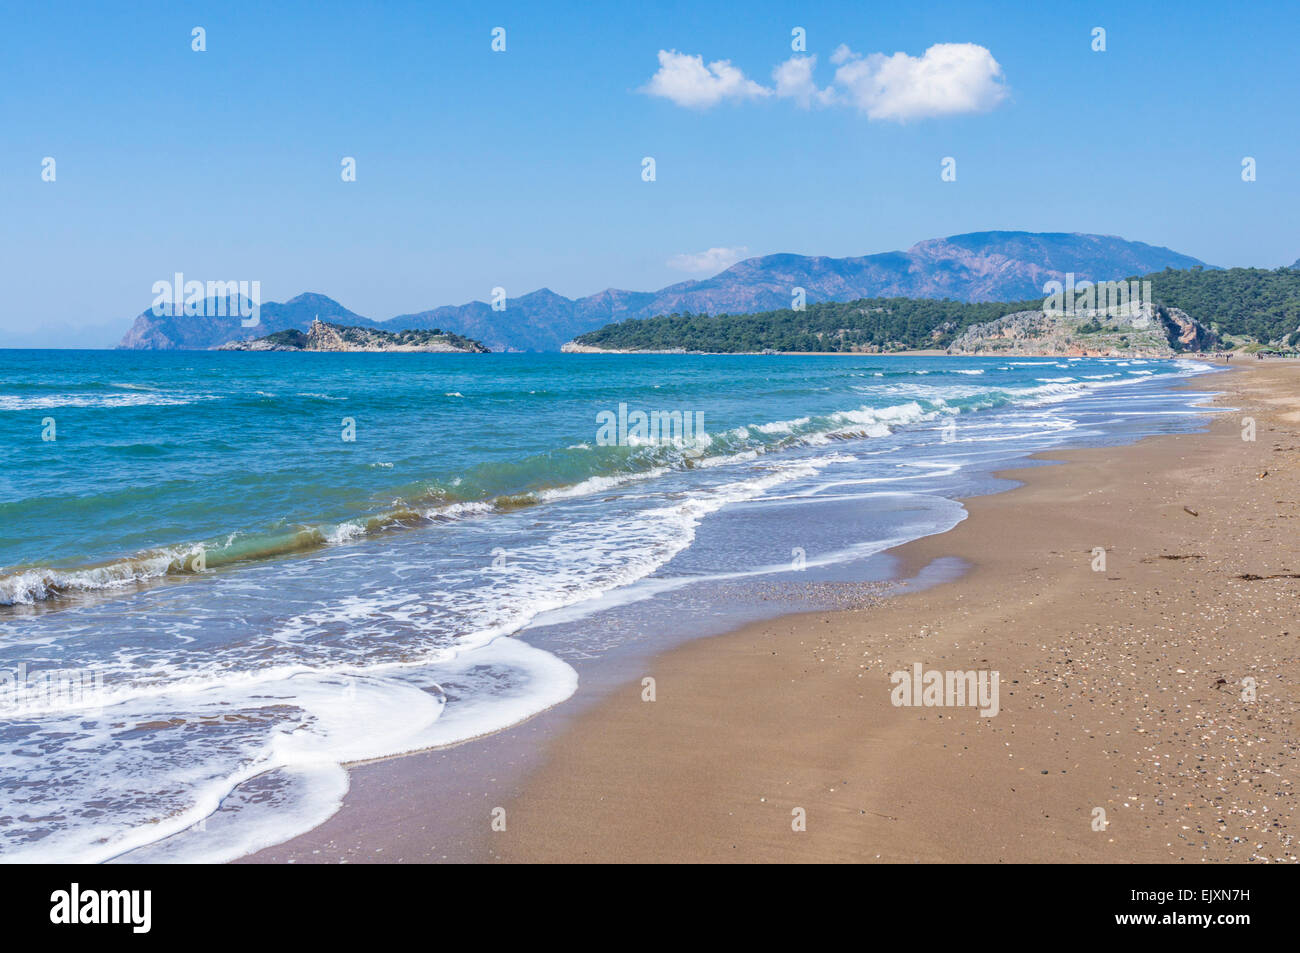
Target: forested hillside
{"x": 1255, "y": 303}
{"x": 885, "y": 324}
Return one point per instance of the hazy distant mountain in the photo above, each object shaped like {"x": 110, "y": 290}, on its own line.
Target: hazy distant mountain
{"x": 981, "y": 266}
{"x": 170, "y": 332}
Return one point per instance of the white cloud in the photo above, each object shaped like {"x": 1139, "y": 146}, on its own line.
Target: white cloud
{"x": 708, "y": 262}
{"x": 688, "y": 82}
{"x": 946, "y": 80}
{"x": 794, "y": 80}
{"x": 949, "y": 78}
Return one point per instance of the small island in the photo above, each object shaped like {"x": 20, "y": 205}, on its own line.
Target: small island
{"x": 322, "y": 336}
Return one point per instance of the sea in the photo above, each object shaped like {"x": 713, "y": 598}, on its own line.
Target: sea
{"x": 226, "y": 575}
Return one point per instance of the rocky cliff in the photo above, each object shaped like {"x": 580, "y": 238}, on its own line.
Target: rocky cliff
{"x": 1146, "y": 331}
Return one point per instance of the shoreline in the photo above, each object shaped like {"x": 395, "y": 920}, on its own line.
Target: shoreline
{"x": 585, "y": 779}
{"x": 1211, "y": 357}
{"x": 1111, "y": 697}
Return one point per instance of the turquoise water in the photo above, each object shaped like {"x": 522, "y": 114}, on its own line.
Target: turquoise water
{"x": 243, "y": 454}
{"x": 353, "y": 596}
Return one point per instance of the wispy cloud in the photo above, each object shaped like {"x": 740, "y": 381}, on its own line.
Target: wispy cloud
{"x": 947, "y": 79}
{"x": 794, "y": 80}
{"x": 708, "y": 262}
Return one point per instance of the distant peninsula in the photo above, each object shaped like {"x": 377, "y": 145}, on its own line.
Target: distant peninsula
{"x": 879, "y": 326}
{"x": 321, "y": 336}
{"x": 1177, "y": 313}
{"x": 902, "y": 325}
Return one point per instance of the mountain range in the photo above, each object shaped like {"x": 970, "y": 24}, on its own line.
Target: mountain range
{"x": 979, "y": 266}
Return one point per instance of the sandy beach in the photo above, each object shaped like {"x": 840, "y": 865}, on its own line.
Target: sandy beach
{"x": 1127, "y": 730}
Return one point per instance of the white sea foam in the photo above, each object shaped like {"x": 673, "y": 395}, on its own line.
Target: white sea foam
{"x": 345, "y": 532}
{"x": 218, "y": 729}
{"x": 106, "y": 401}
{"x": 28, "y": 586}
{"x": 599, "y": 484}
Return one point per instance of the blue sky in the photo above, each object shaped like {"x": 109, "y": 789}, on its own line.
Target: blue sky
{"x": 523, "y": 169}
